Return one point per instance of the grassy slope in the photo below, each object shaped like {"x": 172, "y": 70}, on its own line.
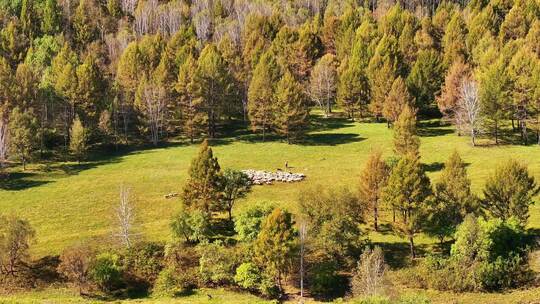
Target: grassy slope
{"x": 67, "y": 203}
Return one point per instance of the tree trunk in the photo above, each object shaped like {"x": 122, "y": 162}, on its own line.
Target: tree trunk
{"x": 472, "y": 137}
{"x": 375, "y": 218}
{"x": 411, "y": 245}
{"x": 496, "y": 133}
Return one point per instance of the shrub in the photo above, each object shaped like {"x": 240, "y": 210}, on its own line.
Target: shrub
{"x": 216, "y": 264}
{"x": 145, "y": 260}
{"x": 193, "y": 226}
{"x": 106, "y": 271}
{"x": 369, "y": 277}
{"x": 248, "y": 276}
{"x": 75, "y": 265}
{"x": 167, "y": 283}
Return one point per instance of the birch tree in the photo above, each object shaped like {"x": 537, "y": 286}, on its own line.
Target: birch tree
{"x": 151, "y": 100}
{"x": 323, "y": 83}
{"x": 468, "y": 110}
{"x": 125, "y": 217}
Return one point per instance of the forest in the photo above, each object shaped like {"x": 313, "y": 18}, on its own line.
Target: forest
{"x": 427, "y": 113}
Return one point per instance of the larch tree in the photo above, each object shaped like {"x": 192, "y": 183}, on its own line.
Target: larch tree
{"x": 50, "y": 23}
{"x": 372, "y": 180}
{"x": 425, "y": 79}
{"x": 453, "y": 41}
{"x": 448, "y": 100}
{"x": 406, "y": 142}
{"x": 203, "y": 187}
{"x": 353, "y": 90}
{"x": 397, "y": 99}
{"x": 453, "y": 199}
{"x": 323, "y": 82}
{"x": 408, "y": 191}
{"x": 509, "y": 192}
{"x": 261, "y": 94}
{"x": 213, "y": 83}
{"x": 23, "y": 135}
{"x": 494, "y": 95}
{"x": 192, "y": 111}
{"x": 78, "y": 139}
{"x": 291, "y": 112}
{"x": 381, "y": 81}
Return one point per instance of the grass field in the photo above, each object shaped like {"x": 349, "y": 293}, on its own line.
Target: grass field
{"x": 68, "y": 203}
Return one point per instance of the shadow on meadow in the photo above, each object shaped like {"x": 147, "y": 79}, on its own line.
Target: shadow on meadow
{"x": 17, "y": 181}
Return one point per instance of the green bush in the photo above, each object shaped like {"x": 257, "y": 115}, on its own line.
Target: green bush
{"x": 106, "y": 271}
{"x": 216, "y": 264}
{"x": 248, "y": 276}
{"x": 145, "y": 260}
{"x": 248, "y": 223}
{"x": 167, "y": 284}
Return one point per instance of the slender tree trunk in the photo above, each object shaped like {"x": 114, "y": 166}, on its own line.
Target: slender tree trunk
{"x": 496, "y": 132}
{"x": 411, "y": 245}
{"x": 472, "y": 137}
{"x": 375, "y": 218}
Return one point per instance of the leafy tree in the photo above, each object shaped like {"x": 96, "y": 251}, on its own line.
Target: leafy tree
{"x": 454, "y": 199}
{"x": 509, "y": 192}
{"x": 397, "y": 99}
{"x": 106, "y": 271}
{"x": 203, "y": 187}
{"x": 405, "y": 139}
{"x": 236, "y": 185}
{"x": 408, "y": 191}
{"x": 372, "y": 181}
{"x": 78, "y": 138}
{"x": 23, "y": 137}
{"x": 275, "y": 245}
{"x": 322, "y": 86}
{"x": 16, "y": 236}
{"x": 334, "y": 217}
{"x": 248, "y": 276}
{"x": 290, "y": 108}
{"x": 216, "y": 264}
{"x": 193, "y": 226}
{"x": 261, "y": 93}
{"x": 248, "y": 223}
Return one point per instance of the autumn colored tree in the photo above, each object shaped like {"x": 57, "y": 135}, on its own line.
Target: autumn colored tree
{"x": 23, "y": 136}
{"x": 408, "y": 191}
{"x": 406, "y": 142}
{"x": 78, "y": 139}
{"x": 398, "y": 98}
{"x": 372, "y": 181}
{"x": 193, "y": 118}
{"x": 448, "y": 100}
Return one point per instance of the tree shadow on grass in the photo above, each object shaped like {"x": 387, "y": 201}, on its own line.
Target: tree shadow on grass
{"x": 434, "y": 132}
{"x": 398, "y": 255}
{"x": 17, "y": 181}
{"x": 330, "y": 139}
{"x": 433, "y": 167}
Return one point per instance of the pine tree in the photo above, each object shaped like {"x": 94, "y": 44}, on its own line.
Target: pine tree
{"x": 290, "y": 108}
{"x": 408, "y": 192}
{"x": 405, "y": 140}
{"x": 261, "y": 94}
{"x": 22, "y": 130}
{"x": 372, "y": 181}
{"x": 203, "y": 187}
{"x": 275, "y": 244}
{"x": 398, "y": 98}
{"x": 78, "y": 138}
{"x": 454, "y": 199}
